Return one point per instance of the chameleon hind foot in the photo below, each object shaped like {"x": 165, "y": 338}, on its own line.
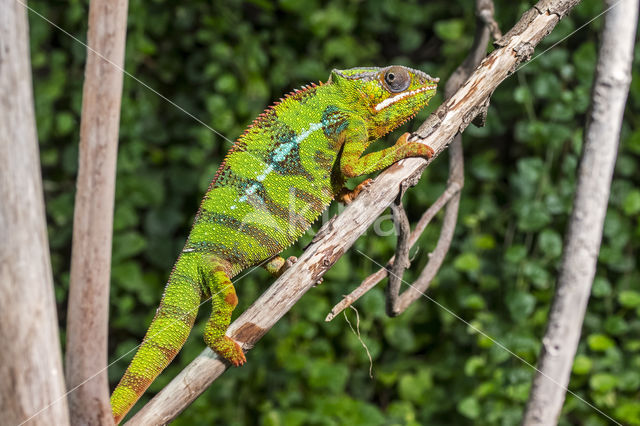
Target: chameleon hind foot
{"x": 223, "y": 300}
{"x": 228, "y": 349}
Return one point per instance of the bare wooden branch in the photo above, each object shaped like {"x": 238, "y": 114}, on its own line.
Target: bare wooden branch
{"x": 484, "y": 25}
{"x": 484, "y": 12}
{"x": 419, "y": 286}
{"x": 582, "y": 244}
{"x": 30, "y": 361}
{"x": 451, "y": 118}
{"x": 382, "y": 273}
{"x": 88, "y": 305}
{"x": 401, "y": 258}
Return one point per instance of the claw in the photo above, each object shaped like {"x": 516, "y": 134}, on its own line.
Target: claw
{"x": 291, "y": 260}
{"x": 347, "y": 196}
{"x": 239, "y": 358}
{"x": 403, "y": 139}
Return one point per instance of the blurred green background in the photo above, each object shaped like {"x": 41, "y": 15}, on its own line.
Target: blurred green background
{"x": 224, "y": 62}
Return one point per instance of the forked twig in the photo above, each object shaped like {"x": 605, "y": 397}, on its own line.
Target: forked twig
{"x": 486, "y": 26}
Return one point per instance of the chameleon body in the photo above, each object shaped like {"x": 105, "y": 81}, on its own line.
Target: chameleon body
{"x": 275, "y": 181}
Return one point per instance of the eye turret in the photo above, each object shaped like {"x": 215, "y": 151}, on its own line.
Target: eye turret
{"x": 397, "y": 79}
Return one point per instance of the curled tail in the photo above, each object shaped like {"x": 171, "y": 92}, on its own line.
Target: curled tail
{"x": 165, "y": 337}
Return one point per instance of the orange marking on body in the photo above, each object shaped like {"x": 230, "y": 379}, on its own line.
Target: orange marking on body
{"x": 136, "y": 382}
{"x": 231, "y": 299}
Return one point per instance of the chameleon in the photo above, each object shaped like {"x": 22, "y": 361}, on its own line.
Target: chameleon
{"x": 275, "y": 181}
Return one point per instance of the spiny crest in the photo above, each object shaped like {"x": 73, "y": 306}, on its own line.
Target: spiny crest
{"x": 240, "y": 143}
{"x": 295, "y": 95}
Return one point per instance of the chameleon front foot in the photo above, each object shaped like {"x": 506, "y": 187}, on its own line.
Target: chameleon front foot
{"x": 347, "y": 196}
{"x": 277, "y": 265}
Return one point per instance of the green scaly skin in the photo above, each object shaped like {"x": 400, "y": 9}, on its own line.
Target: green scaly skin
{"x": 275, "y": 181}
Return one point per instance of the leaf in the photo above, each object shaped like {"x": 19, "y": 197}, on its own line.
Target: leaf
{"x": 467, "y": 262}
{"x": 633, "y": 142}
{"x": 484, "y": 241}
{"x": 601, "y": 287}
{"x": 616, "y": 325}
{"x": 626, "y": 165}
{"x": 629, "y": 381}
{"x": 127, "y": 244}
{"x": 327, "y": 375}
{"x": 470, "y": 408}
{"x": 629, "y": 299}
{"x": 473, "y": 301}
{"x": 515, "y": 253}
{"x": 550, "y": 243}
{"x": 600, "y": 342}
{"x": 603, "y": 382}
{"x": 631, "y": 204}
{"x": 473, "y": 365}
{"x": 449, "y": 30}
{"x": 628, "y": 412}
{"x": 537, "y": 274}
{"x": 520, "y": 305}
{"x": 582, "y": 365}
{"x": 415, "y": 387}
{"x": 65, "y": 123}
{"x": 532, "y": 216}
{"x": 400, "y": 337}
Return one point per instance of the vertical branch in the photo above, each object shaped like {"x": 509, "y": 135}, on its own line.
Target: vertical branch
{"x": 88, "y": 307}
{"x": 30, "y": 360}
{"x": 401, "y": 259}
{"x": 582, "y": 244}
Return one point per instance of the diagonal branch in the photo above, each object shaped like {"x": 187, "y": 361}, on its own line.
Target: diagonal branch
{"x": 339, "y": 235}
{"x": 382, "y": 273}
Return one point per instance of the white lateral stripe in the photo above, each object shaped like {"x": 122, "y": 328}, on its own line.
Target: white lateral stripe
{"x": 280, "y": 153}
{"x": 400, "y": 96}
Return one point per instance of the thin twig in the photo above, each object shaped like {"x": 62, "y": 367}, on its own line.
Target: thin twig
{"x": 382, "y": 273}
{"x": 401, "y": 258}
{"x": 357, "y": 333}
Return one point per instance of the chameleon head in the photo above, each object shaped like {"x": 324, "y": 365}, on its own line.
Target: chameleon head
{"x": 391, "y": 95}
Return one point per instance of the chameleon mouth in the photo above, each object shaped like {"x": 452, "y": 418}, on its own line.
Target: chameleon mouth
{"x": 400, "y": 96}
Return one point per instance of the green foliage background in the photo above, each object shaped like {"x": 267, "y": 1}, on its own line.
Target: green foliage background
{"x": 224, "y": 62}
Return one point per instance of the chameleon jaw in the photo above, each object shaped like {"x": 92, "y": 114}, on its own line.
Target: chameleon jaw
{"x": 400, "y": 96}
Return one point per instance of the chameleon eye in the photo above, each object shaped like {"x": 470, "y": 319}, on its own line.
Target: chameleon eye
{"x": 397, "y": 79}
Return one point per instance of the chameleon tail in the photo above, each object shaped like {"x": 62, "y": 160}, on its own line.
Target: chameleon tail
{"x": 166, "y": 335}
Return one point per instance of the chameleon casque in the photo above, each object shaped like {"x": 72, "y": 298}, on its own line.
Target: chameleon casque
{"x": 274, "y": 183}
